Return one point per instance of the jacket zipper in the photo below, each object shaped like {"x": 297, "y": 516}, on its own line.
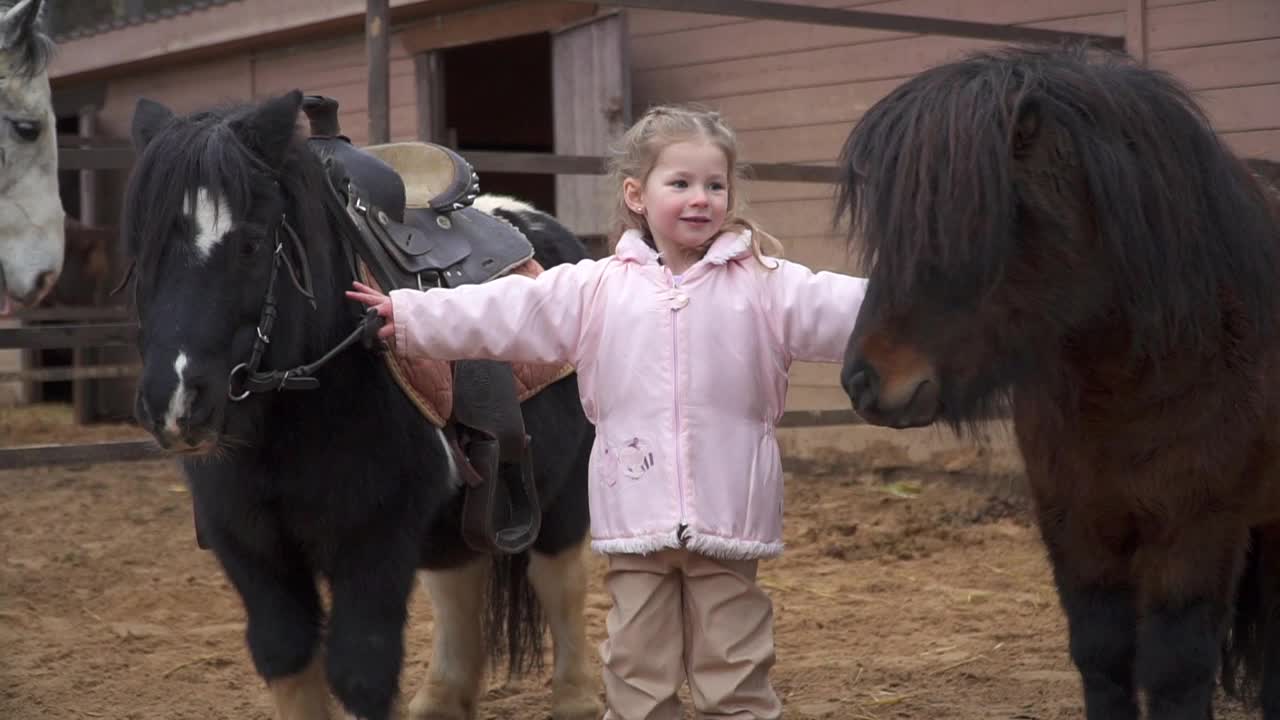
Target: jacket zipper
{"x": 675, "y": 399}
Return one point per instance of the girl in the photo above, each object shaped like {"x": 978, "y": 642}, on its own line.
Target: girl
{"x": 682, "y": 341}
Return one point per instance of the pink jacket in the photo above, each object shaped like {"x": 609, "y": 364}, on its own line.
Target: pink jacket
{"x": 684, "y": 382}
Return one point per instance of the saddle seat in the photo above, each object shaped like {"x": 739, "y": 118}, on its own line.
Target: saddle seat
{"x": 410, "y": 206}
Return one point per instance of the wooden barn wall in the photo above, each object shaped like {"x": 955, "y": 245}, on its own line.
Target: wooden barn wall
{"x": 334, "y": 67}
{"x": 793, "y": 91}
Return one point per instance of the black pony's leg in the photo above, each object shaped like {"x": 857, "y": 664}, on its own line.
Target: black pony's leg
{"x": 562, "y": 439}
{"x": 1187, "y": 589}
{"x": 371, "y": 580}
{"x": 283, "y": 612}
{"x": 1101, "y": 611}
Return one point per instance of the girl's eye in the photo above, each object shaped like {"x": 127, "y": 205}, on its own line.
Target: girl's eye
{"x": 717, "y": 186}
{"x": 680, "y": 184}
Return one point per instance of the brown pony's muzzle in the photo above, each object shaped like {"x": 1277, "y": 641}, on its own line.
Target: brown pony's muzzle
{"x": 891, "y": 385}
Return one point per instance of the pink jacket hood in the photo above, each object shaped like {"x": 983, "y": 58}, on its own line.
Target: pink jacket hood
{"x": 685, "y": 382}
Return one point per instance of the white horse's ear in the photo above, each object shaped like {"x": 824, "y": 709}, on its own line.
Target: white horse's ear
{"x": 27, "y": 45}
{"x": 149, "y": 117}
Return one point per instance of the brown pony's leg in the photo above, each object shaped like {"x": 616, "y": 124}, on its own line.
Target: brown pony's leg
{"x": 560, "y": 581}
{"x": 1091, "y": 574}
{"x": 1267, "y": 544}
{"x": 1187, "y": 585}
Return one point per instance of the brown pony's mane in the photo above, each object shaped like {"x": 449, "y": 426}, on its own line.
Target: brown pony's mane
{"x": 928, "y": 185}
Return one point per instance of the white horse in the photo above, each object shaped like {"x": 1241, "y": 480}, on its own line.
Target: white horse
{"x": 31, "y": 215}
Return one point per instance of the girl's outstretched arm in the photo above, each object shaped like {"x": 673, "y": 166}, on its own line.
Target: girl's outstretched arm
{"x": 514, "y": 318}
{"x": 813, "y": 312}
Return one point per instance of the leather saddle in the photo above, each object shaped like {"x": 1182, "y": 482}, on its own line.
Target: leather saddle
{"x": 410, "y": 205}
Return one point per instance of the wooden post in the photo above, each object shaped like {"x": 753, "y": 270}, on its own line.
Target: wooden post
{"x": 377, "y": 39}
{"x": 1135, "y": 29}
{"x": 428, "y": 69}
{"x": 83, "y": 391}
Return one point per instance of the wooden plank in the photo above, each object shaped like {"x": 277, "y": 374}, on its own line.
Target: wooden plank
{"x": 591, "y": 84}
{"x": 1217, "y": 66}
{"x": 758, "y": 38}
{"x": 794, "y": 218}
{"x": 1213, "y": 23}
{"x": 766, "y": 10}
{"x": 231, "y": 29}
{"x": 659, "y": 22}
{"x": 1257, "y": 143}
{"x": 810, "y": 68}
{"x": 842, "y": 103}
{"x": 542, "y": 163}
{"x": 1237, "y": 109}
{"x": 816, "y": 252}
{"x": 17, "y": 458}
{"x": 95, "y": 158}
{"x": 819, "y": 418}
{"x": 835, "y": 103}
{"x": 491, "y": 23}
{"x": 62, "y": 374}
{"x": 377, "y": 38}
{"x": 73, "y": 313}
{"x": 68, "y": 336}
{"x": 800, "y": 144}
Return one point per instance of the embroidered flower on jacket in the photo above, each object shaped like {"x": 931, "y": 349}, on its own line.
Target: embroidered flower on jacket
{"x": 635, "y": 457}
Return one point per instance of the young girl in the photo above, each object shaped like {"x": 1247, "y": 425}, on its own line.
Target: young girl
{"x": 682, "y": 342}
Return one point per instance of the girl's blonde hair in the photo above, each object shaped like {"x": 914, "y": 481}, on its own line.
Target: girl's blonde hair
{"x": 637, "y": 152}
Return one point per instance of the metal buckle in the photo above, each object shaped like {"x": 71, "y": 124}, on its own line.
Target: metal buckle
{"x": 232, "y": 382}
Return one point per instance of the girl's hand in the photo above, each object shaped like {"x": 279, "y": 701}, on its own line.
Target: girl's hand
{"x": 375, "y": 299}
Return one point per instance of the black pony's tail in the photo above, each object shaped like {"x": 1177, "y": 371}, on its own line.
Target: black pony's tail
{"x": 513, "y": 622}
{"x": 1256, "y": 603}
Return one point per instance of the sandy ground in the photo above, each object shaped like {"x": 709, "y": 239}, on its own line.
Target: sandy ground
{"x": 913, "y": 587}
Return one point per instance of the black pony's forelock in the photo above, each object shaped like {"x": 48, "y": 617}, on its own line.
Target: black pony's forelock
{"x": 927, "y": 187}
{"x": 203, "y": 150}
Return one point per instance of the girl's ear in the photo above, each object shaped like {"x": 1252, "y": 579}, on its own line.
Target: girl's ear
{"x": 633, "y": 195}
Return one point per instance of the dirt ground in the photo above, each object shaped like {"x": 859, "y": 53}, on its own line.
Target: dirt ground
{"x": 912, "y": 587}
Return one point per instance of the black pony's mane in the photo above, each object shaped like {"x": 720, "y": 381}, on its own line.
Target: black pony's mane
{"x": 203, "y": 150}
{"x": 927, "y": 183}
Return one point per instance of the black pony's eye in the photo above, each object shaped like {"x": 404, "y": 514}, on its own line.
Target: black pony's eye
{"x": 28, "y": 130}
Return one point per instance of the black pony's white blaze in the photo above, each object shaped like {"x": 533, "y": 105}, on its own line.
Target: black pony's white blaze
{"x": 211, "y": 218}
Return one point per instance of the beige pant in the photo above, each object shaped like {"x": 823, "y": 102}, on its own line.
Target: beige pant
{"x": 678, "y": 615}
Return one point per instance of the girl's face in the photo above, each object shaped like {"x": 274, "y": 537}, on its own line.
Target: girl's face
{"x": 685, "y": 198}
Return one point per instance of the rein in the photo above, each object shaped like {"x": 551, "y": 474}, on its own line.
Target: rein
{"x": 246, "y": 378}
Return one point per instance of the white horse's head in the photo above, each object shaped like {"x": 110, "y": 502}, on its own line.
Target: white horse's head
{"x": 31, "y": 216}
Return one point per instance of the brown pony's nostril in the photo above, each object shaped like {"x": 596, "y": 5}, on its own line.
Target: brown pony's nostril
{"x": 862, "y": 386}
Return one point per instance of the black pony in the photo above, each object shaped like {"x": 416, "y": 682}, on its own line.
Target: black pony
{"x": 1061, "y": 231}
{"x": 346, "y": 482}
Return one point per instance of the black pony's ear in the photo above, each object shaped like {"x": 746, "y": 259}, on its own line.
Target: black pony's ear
{"x": 149, "y": 117}
{"x": 269, "y": 129}
{"x": 1027, "y": 125}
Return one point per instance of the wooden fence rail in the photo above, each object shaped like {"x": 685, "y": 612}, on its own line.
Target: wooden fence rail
{"x": 21, "y": 457}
